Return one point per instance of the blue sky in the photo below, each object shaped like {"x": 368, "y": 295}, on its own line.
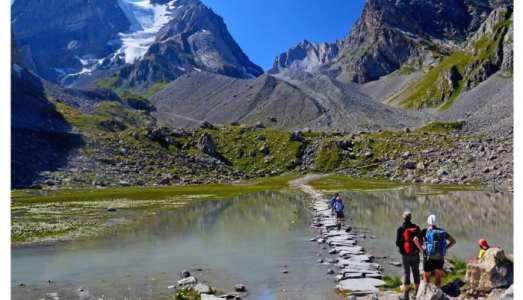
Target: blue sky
{"x": 266, "y": 28}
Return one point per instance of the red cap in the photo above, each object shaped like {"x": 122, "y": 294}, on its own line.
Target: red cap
{"x": 483, "y": 244}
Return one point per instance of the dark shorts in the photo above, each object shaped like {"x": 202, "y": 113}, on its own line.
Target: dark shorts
{"x": 339, "y": 214}
{"x": 430, "y": 265}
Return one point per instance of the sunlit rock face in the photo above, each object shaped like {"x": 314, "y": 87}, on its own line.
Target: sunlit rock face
{"x": 78, "y": 42}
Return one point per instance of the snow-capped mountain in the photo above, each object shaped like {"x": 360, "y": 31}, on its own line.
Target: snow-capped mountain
{"x": 78, "y": 42}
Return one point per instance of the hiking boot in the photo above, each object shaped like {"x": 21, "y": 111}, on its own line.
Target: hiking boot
{"x": 339, "y": 226}
{"x": 413, "y": 297}
{"x": 405, "y": 296}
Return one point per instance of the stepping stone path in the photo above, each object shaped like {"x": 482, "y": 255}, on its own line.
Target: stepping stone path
{"x": 358, "y": 274}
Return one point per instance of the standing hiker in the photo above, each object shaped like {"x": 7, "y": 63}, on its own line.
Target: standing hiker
{"x": 409, "y": 254}
{"x": 339, "y": 207}
{"x": 434, "y": 249}
{"x": 333, "y": 200}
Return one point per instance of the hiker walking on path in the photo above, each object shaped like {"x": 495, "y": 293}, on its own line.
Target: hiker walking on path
{"x": 338, "y": 207}
{"x": 333, "y": 200}
{"x": 434, "y": 249}
{"x": 409, "y": 254}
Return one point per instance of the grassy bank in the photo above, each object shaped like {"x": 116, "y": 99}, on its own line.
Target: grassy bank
{"x": 67, "y": 214}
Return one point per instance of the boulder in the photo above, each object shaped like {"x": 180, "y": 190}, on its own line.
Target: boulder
{"x": 428, "y": 291}
{"x": 296, "y": 136}
{"x": 202, "y": 288}
{"x": 189, "y": 281}
{"x": 259, "y": 124}
{"x": 207, "y": 125}
{"x": 264, "y": 150}
{"x": 206, "y": 144}
{"x": 487, "y": 273}
{"x": 239, "y": 288}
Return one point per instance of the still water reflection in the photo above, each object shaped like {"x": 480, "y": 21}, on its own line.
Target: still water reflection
{"x": 466, "y": 215}
{"x": 251, "y": 240}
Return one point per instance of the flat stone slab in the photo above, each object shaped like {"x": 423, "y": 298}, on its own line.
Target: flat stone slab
{"x": 364, "y": 258}
{"x": 339, "y": 238}
{"x": 352, "y": 275}
{"x": 376, "y": 276}
{"x": 359, "y": 264}
{"x": 187, "y": 281}
{"x": 356, "y": 270}
{"x": 360, "y": 286}
{"x": 349, "y": 248}
{"x": 343, "y": 243}
{"x": 210, "y": 297}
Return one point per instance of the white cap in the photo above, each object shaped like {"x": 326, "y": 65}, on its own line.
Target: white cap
{"x": 432, "y": 220}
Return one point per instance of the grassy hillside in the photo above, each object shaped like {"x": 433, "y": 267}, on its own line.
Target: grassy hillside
{"x": 433, "y": 90}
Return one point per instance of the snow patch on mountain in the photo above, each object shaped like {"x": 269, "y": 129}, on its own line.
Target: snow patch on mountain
{"x": 146, "y": 20}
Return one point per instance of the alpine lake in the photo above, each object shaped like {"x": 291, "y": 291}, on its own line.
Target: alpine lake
{"x": 67, "y": 245}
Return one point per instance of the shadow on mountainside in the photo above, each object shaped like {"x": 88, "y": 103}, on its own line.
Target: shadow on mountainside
{"x": 41, "y": 139}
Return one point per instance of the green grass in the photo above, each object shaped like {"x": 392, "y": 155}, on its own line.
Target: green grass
{"x": 110, "y": 82}
{"x": 210, "y": 192}
{"x": 66, "y": 214}
{"x": 392, "y": 282}
{"x": 425, "y": 93}
{"x": 329, "y": 158}
{"x": 442, "y": 127}
{"x": 187, "y": 294}
{"x": 155, "y": 88}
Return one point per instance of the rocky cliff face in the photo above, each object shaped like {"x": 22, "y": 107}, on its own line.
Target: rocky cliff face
{"x": 16, "y": 58}
{"x": 57, "y": 38}
{"x": 195, "y": 39}
{"x": 305, "y": 59}
{"x": 390, "y": 34}
{"x": 155, "y": 41}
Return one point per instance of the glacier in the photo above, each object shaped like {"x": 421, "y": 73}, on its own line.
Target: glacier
{"x": 146, "y": 20}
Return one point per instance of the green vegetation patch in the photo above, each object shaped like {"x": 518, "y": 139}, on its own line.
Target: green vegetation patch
{"x": 442, "y": 127}
{"x": 187, "y": 294}
{"x": 66, "y": 214}
{"x": 392, "y": 282}
{"x": 425, "y": 92}
{"x": 155, "y": 89}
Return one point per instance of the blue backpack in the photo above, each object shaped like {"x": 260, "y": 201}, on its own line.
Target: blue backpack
{"x": 436, "y": 241}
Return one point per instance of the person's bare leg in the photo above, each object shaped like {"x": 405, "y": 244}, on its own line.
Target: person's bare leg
{"x": 406, "y": 287}
{"x": 416, "y": 286}
{"x": 426, "y": 276}
{"x": 437, "y": 275}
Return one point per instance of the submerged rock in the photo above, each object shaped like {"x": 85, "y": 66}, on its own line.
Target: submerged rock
{"x": 239, "y": 288}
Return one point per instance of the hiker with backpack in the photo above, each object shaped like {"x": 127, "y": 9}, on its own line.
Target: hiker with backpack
{"x": 338, "y": 207}
{"x": 333, "y": 200}
{"x": 434, "y": 249}
{"x": 409, "y": 254}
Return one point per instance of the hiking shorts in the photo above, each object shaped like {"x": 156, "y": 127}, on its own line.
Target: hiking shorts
{"x": 339, "y": 214}
{"x": 410, "y": 262}
{"x": 430, "y": 265}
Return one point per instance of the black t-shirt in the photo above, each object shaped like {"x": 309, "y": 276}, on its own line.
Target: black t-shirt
{"x": 423, "y": 233}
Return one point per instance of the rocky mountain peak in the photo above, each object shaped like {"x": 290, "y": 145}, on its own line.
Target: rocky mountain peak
{"x": 154, "y": 41}
{"x": 387, "y": 35}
